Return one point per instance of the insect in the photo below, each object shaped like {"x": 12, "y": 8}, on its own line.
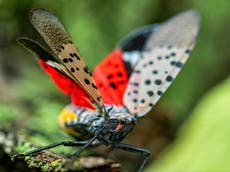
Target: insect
{"x": 107, "y": 103}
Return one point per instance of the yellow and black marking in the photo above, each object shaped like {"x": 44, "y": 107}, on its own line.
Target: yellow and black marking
{"x": 67, "y": 116}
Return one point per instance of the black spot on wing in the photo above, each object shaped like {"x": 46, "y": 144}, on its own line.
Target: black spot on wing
{"x": 158, "y": 82}
{"x": 169, "y": 78}
{"x": 71, "y": 55}
{"x": 134, "y": 83}
{"x": 137, "y": 71}
{"x": 94, "y": 86}
{"x": 135, "y": 91}
{"x": 187, "y": 51}
{"x": 159, "y": 92}
{"x": 110, "y": 76}
{"x": 134, "y": 100}
{"x": 86, "y": 69}
{"x": 142, "y": 100}
{"x": 176, "y": 64}
{"x": 75, "y": 55}
{"x": 167, "y": 57}
{"x": 159, "y": 58}
{"x": 147, "y": 82}
{"x": 65, "y": 60}
{"x": 150, "y": 93}
{"x": 155, "y": 72}
{"x": 112, "y": 85}
{"x": 173, "y": 54}
{"x": 87, "y": 81}
{"x": 62, "y": 47}
{"x": 150, "y": 104}
{"x": 119, "y": 74}
{"x": 173, "y": 63}
{"x": 72, "y": 69}
{"x": 150, "y": 62}
{"x": 179, "y": 64}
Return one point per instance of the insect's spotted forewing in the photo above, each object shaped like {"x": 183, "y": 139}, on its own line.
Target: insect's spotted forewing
{"x": 59, "y": 40}
{"x": 57, "y": 72}
{"x": 166, "y": 52}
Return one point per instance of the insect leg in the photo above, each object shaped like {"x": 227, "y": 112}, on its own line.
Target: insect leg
{"x": 85, "y": 146}
{"x": 64, "y": 143}
{"x": 135, "y": 149}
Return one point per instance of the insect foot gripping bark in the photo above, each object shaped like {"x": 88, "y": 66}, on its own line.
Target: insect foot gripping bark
{"x": 106, "y": 104}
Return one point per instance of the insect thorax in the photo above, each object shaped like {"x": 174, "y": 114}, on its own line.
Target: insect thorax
{"x": 119, "y": 123}
{"x": 83, "y": 123}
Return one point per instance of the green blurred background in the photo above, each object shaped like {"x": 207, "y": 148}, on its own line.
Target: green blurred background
{"x": 28, "y": 96}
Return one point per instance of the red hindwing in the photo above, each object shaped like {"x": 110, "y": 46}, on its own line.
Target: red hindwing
{"x": 67, "y": 86}
{"x": 111, "y": 78}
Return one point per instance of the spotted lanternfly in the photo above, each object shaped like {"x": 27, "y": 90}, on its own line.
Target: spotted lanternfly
{"x": 123, "y": 87}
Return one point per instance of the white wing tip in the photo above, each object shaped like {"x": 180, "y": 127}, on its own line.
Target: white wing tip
{"x": 37, "y": 13}
{"x": 191, "y": 14}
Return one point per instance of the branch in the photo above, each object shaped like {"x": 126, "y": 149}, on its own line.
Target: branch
{"x": 11, "y": 143}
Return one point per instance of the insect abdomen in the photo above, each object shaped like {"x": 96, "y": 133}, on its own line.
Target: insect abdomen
{"x": 76, "y": 121}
